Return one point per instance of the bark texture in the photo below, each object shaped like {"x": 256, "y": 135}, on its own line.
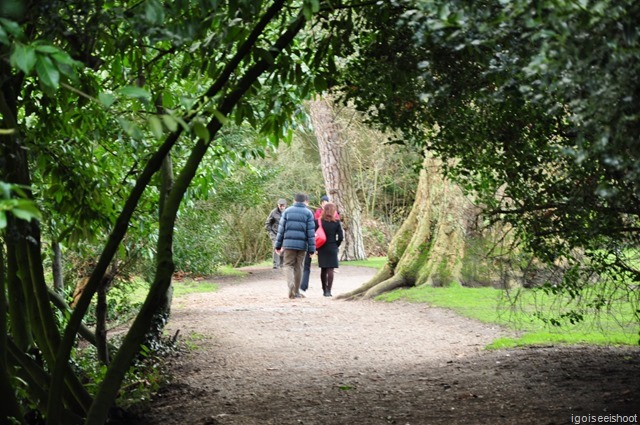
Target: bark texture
{"x": 56, "y": 266}
{"x": 334, "y": 156}
{"x": 429, "y": 246}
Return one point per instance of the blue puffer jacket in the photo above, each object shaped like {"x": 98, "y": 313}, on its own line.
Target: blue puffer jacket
{"x": 297, "y": 229}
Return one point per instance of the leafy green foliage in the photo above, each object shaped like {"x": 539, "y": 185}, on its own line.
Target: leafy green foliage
{"x": 200, "y": 239}
{"x": 95, "y": 100}
{"x": 23, "y": 209}
{"x": 531, "y": 105}
{"x": 141, "y": 381}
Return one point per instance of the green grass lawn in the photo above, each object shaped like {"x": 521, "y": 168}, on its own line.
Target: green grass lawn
{"x": 530, "y": 313}
{"x": 375, "y": 262}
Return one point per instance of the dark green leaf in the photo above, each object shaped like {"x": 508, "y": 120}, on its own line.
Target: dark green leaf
{"x": 135, "y": 92}
{"x": 3, "y": 36}
{"x": 156, "y": 126}
{"x": 23, "y": 57}
{"x": 170, "y": 122}
{"x": 201, "y": 131}
{"x": 106, "y": 99}
{"x": 11, "y": 27}
{"x": 154, "y": 12}
{"x": 48, "y": 73}
{"x": 47, "y": 49}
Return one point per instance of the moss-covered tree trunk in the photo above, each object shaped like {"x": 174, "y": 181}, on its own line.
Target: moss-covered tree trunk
{"x": 429, "y": 246}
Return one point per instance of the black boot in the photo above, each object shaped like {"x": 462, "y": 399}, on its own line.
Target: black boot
{"x": 323, "y": 280}
{"x": 326, "y": 289}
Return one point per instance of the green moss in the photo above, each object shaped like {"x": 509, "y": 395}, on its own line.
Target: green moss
{"x": 443, "y": 275}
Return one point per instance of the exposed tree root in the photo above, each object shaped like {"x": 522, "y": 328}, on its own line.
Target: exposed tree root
{"x": 382, "y": 282}
{"x": 397, "y": 281}
{"x": 384, "y": 274}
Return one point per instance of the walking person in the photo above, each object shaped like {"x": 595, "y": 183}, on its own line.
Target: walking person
{"x": 304, "y": 284}
{"x": 271, "y": 224}
{"x": 295, "y": 238}
{"x": 306, "y": 270}
{"x": 328, "y": 253}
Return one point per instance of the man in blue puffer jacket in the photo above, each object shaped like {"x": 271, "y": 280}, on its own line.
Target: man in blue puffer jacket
{"x": 297, "y": 237}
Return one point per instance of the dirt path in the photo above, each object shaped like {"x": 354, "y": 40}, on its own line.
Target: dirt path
{"x": 265, "y": 359}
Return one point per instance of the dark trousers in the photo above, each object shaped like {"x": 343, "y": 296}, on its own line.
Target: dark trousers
{"x": 278, "y": 260}
{"x": 326, "y": 277}
{"x": 304, "y": 283}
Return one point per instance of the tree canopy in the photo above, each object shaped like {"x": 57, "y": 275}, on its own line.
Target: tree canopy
{"x": 111, "y": 109}
{"x": 532, "y": 105}
{"x": 95, "y": 99}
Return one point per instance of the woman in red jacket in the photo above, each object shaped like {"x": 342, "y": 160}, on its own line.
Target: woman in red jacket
{"x": 328, "y": 253}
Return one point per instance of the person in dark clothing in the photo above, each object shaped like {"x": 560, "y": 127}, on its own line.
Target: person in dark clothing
{"x": 328, "y": 253}
{"x": 304, "y": 285}
{"x": 306, "y": 270}
{"x": 296, "y": 236}
{"x": 271, "y": 224}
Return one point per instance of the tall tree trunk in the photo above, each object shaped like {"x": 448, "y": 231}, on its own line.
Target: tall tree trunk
{"x": 161, "y": 317}
{"x": 20, "y": 328}
{"x": 102, "y": 343}
{"x": 32, "y": 311}
{"x": 110, "y": 386}
{"x": 56, "y": 266}
{"x": 9, "y": 408}
{"x": 430, "y": 244}
{"x": 165, "y": 189}
{"x": 334, "y": 156}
